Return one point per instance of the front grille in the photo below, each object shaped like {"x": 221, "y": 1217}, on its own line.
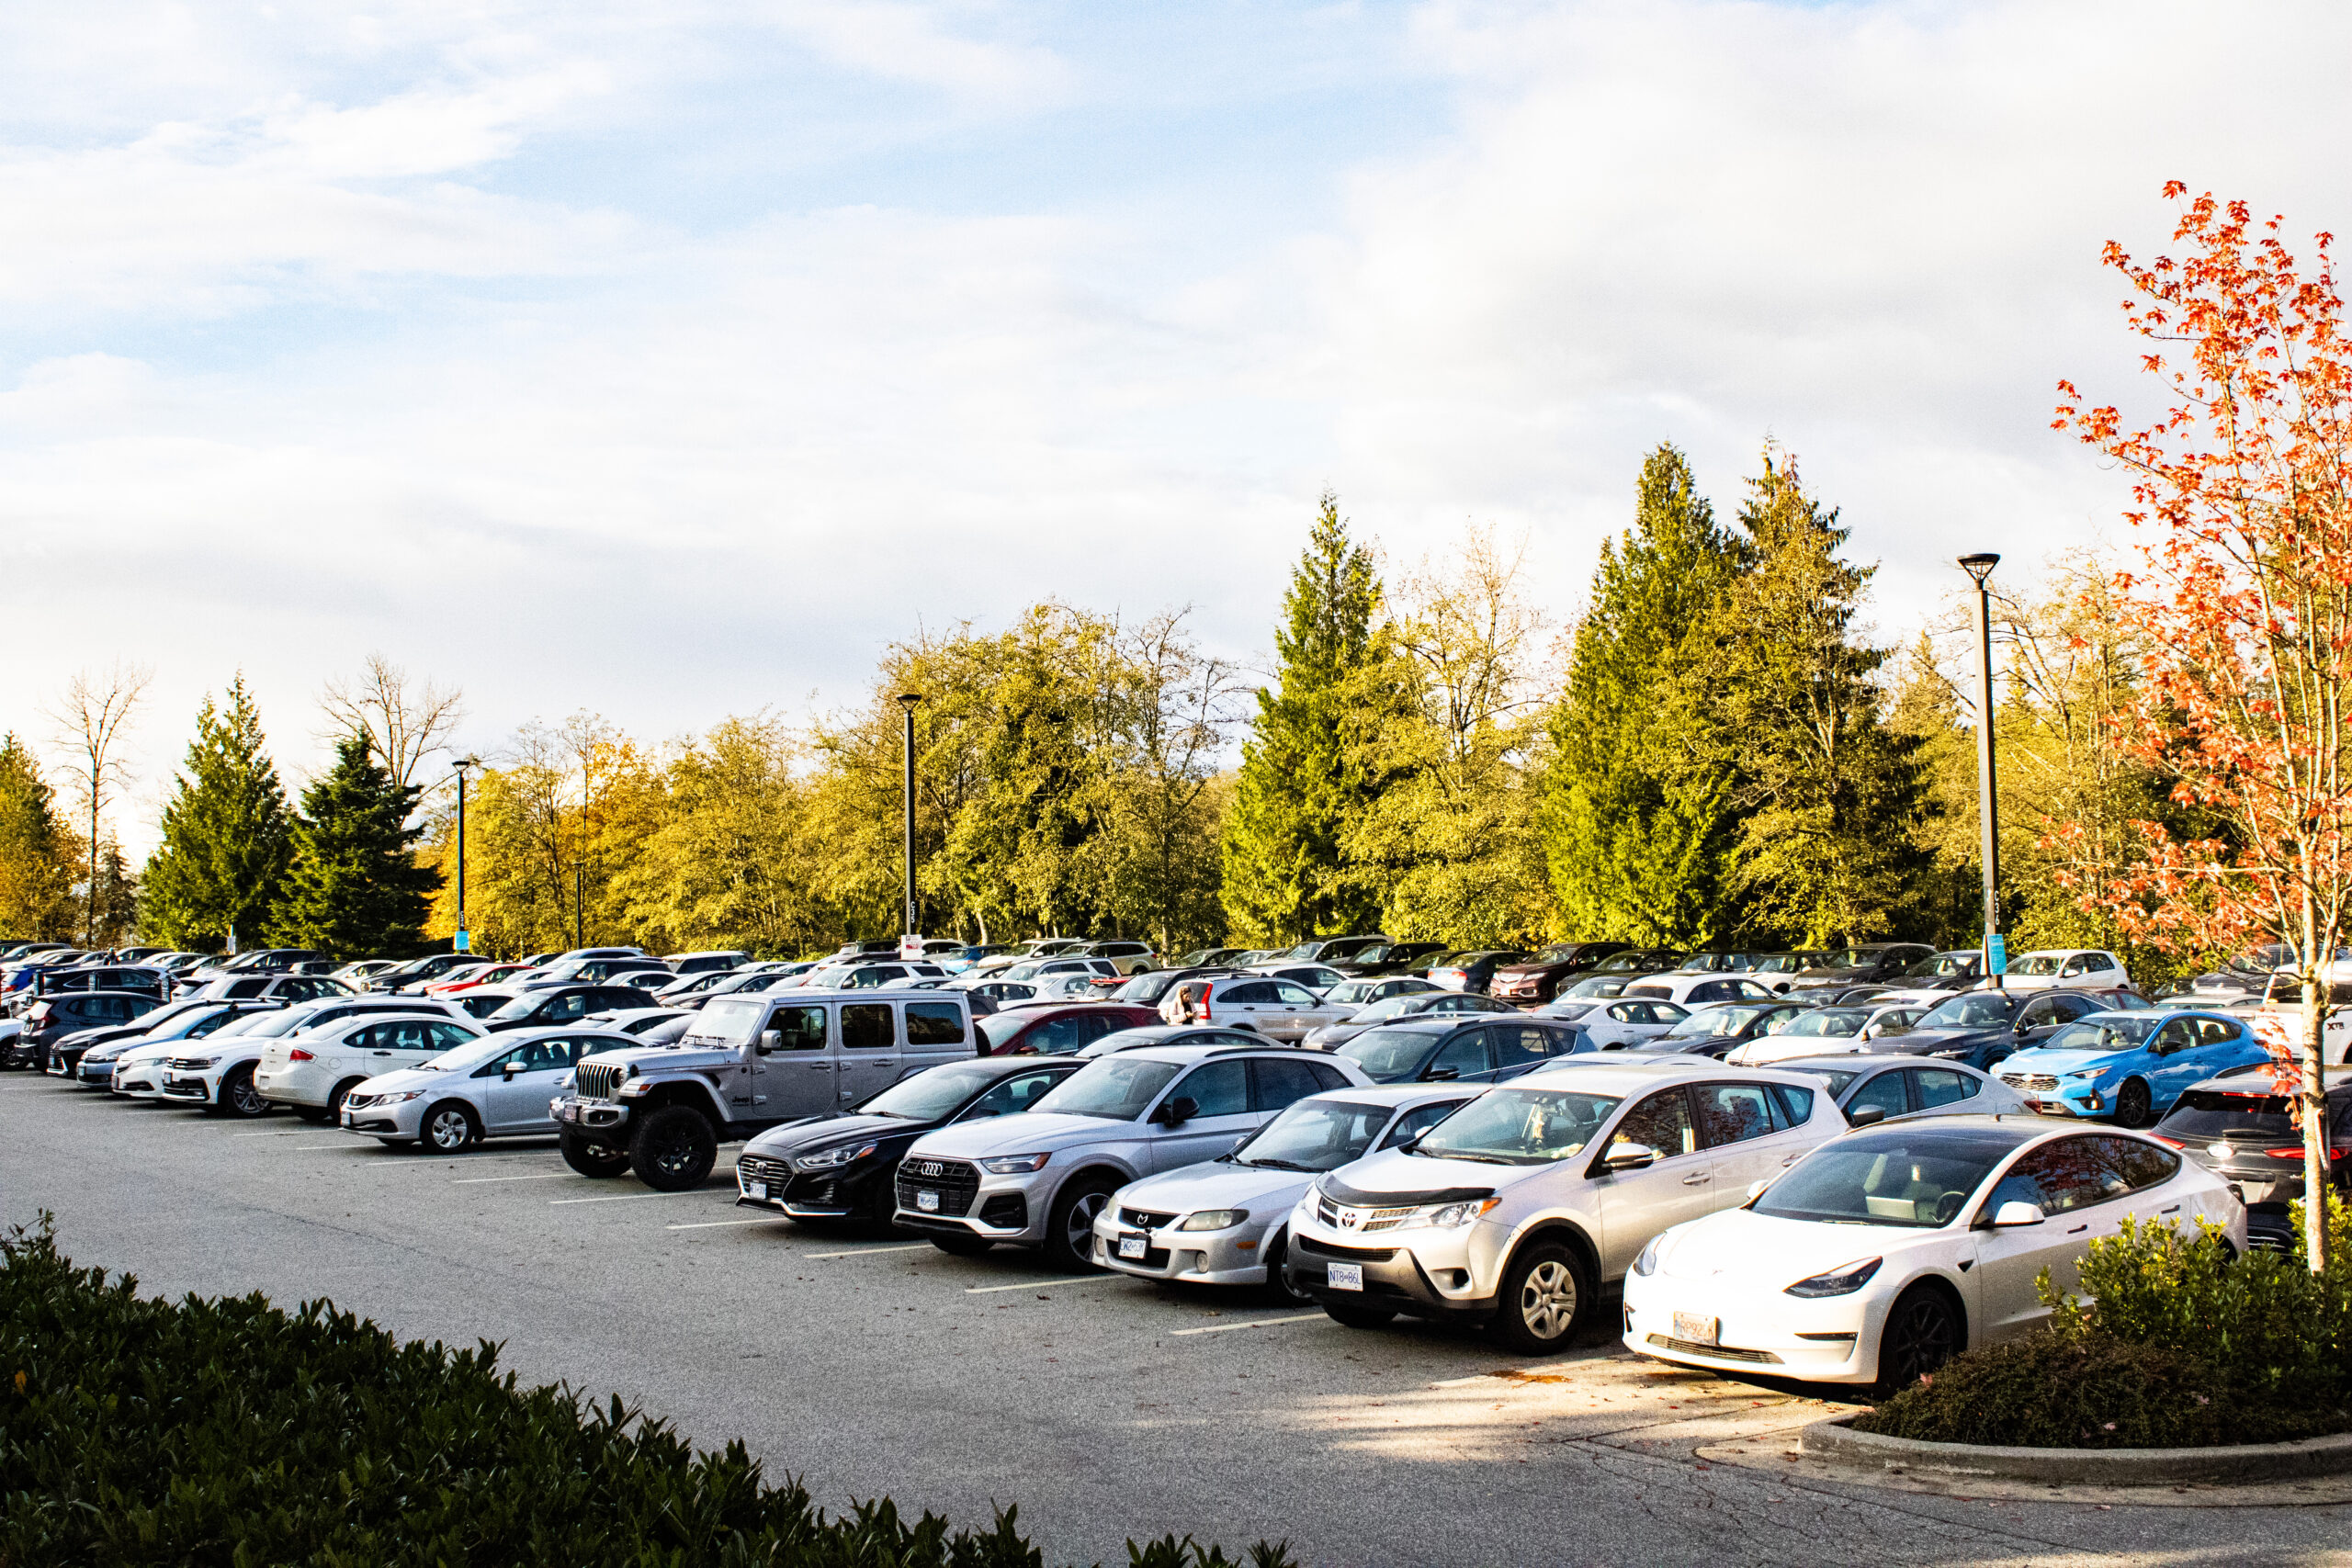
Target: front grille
{"x": 1329, "y": 1214}
{"x": 599, "y": 1080}
{"x": 2030, "y": 1080}
{"x": 1353, "y": 1253}
{"x": 1006, "y": 1210}
{"x": 760, "y": 1168}
{"x": 1719, "y": 1352}
{"x": 957, "y": 1182}
{"x": 1144, "y": 1219}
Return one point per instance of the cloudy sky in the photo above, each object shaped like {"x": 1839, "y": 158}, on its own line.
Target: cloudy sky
{"x": 668, "y": 360}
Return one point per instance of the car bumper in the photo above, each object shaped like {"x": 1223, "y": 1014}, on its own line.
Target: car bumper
{"x": 1428, "y": 1272}
{"x": 1234, "y": 1256}
{"x": 1002, "y": 1208}
{"x": 295, "y": 1085}
{"x": 397, "y": 1121}
{"x": 598, "y": 1120}
{"x": 1833, "y": 1340}
{"x": 769, "y": 1183}
{"x": 139, "y": 1083}
{"x": 2062, "y": 1101}
{"x": 185, "y": 1090}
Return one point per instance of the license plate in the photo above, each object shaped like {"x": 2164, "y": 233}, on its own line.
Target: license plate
{"x": 758, "y": 1190}
{"x": 569, "y": 1114}
{"x": 1697, "y": 1330}
{"x": 927, "y": 1201}
{"x": 1133, "y": 1245}
{"x": 1345, "y": 1277}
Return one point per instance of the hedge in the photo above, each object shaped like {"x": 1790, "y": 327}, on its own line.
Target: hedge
{"x": 231, "y": 1432}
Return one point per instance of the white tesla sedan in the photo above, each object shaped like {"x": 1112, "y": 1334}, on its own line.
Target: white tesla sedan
{"x": 1882, "y": 1254}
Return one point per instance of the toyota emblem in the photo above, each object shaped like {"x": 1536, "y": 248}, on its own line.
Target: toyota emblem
{"x": 1348, "y": 1218}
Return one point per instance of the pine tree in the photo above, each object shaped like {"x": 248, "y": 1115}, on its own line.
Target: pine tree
{"x": 1639, "y": 826}
{"x": 36, "y": 854}
{"x": 228, "y": 836}
{"x": 355, "y": 886}
{"x": 1314, "y": 765}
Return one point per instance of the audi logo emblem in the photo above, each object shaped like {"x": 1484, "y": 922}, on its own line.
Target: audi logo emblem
{"x": 927, "y": 1167}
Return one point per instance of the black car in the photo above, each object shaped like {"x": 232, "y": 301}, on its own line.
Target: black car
{"x": 1716, "y": 1030}
{"x": 1859, "y": 965}
{"x": 51, "y": 1018}
{"x": 423, "y": 970}
{"x": 1461, "y": 1049}
{"x": 2238, "y": 1126}
{"x": 1392, "y": 958}
{"x": 103, "y": 977}
{"x": 1955, "y": 969}
{"x": 1981, "y": 1028}
{"x": 840, "y": 1165}
{"x": 562, "y": 1005}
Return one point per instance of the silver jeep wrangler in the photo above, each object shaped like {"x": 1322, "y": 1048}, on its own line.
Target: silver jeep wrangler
{"x": 745, "y": 1064}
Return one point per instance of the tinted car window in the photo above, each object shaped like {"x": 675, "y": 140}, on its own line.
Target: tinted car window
{"x": 865, "y": 1026}
{"x": 1884, "y": 1092}
{"x": 2138, "y": 1165}
{"x": 1275, "y": 1083}
{"x": 1014, "y": 1095}
{"x": 1419, "y": 1120}
{"x": 1796, "y": 1104}
{"x": 1220, "y": 1089}
{"x": 800, "y": 1029}
{"x": 1733, "y": 1113}
{"x": 1516, "y": 1045}
{"x": 2072, "y": 1173}
{"x": 1940, "y": 1086}
{"x": 1662, "y": 1123}
{"x": 935, "y": 1024}
{"x": 1464, "y": 1054}
{"x": 1249, "y": 991}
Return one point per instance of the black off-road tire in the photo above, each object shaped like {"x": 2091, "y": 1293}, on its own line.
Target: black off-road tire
{"x": 590, "y": 1159}
{"x": 673, "y": 1149}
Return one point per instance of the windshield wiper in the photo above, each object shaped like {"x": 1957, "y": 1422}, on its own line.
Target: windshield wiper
{"x": 1271, "y": 1164}
{"x": 1450, "y": 1154}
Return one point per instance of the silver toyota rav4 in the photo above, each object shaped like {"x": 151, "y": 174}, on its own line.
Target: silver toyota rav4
{"x": 1040, "y": 1178}
{"x": 1516, "y": 1210}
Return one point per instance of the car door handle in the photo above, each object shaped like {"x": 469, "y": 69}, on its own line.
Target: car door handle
{"x": 2078, "y": 1230}
{"x": 1694, "y": 1180}
{"x": 1790, "y": 1159}
{"x": 820, "y": 1066}
{"x": 2173, "y": 1210}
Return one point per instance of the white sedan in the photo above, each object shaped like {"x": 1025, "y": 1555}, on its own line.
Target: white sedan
{"x": 1612, "y": 1026}
{"x": 1883, "y": 1253}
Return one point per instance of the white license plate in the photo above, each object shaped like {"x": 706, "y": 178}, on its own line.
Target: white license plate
{"x": 1133, "y": 1245}
{"x": 1697, "y": 1330}
{"x": 927, "y": 1201}
{"x": 1345, "y": 1277}
{"x": 758, "y": 1190}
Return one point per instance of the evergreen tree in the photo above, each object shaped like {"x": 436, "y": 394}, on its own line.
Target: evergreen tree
{"x": 355, "y": 886}
{"x": 1314, "y": 765}
{"x": 36, "y": 854}
{"x": 1829, "y": 794}
{"x": 1640, "y": 826}
{"x": 228, "y": 836}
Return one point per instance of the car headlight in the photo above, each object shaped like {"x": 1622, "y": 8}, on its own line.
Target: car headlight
{"x": 1843, "y": 1280}
{"x": 2091, "y": 1074}
{"x": 840, "y": 1154}
{"x": 1215, "y": 1220}
{"x": 1014, "y": 1164}
{"x": 1645, "y": 1264}
{"x": 1448, "y": 1216}
{"x": 400, "y": 1098}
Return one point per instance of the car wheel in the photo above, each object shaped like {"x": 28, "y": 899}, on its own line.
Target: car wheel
{"x": 673, "y": 1150}
{"x": 1354, "y": 1316}
{"x": 237, "y": 1095}
{"x": 1922, "y": 1333}
{"x": 961, "y": 1246}
{"x": 449, "y": 1128}
{"x": 2133, "y": 1104}
{"x": 341, "y": 1092}
{"x": 1277, "y": 1251}
{"x": 591, "y": 1159}
{"x": 1546, "y": 1296}
{"x": 1070, "y": 1224}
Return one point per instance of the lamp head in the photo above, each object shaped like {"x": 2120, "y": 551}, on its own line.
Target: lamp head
{"x": 1980, "y": 566}
{"x": 462, "y": 764}
{"x": 907, "y": 700}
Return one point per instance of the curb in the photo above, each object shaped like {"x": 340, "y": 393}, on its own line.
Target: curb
{"x": 2096, "y": 1467}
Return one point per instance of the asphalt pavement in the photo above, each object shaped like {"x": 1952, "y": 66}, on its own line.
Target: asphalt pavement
{"x": 1105, "y": 1408}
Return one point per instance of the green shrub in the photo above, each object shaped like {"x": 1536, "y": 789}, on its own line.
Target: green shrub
{"x": 233, "y": 1432}
{"x": 2046, "y": 1392}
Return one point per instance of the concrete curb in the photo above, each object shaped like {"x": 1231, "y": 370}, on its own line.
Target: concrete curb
{"x": 2094, "y": 1467}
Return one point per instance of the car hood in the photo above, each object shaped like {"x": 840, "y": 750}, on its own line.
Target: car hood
{"x": 1926, "y": 1042}
{"x": 1029, "y": 1133}
{"x": 841, "y": 1126}
{"x": 1769, "y": 1253}
{"x": 1218, "y": 1184}
{"x": 2063, "y": 1061}
{"x": 1392, "y": 1175}
{"x": 401, "y": 1078}
{"x": 652, "y": 1059}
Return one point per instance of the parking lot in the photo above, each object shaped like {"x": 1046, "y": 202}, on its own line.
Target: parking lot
{"x": 1102, "y": 1406}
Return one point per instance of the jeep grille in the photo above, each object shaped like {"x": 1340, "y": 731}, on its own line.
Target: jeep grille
{"x": 599, "y": 1080}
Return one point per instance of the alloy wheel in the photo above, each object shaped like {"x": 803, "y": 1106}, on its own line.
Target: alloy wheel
{"x": 1547, "y": 1302}
{"x": 245, "y": 1097}
{"x": 447, "y": 1130}
{"x": 1079, "y": 1230}
{"x": 1920, "y": 1336}
{"x": 674, "y": 1158}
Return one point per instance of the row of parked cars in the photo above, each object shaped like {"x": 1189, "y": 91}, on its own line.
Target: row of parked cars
{"x": 1834, "y": 1208}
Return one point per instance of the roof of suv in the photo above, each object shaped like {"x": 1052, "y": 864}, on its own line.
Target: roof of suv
{"x": 1188, "y": 1054}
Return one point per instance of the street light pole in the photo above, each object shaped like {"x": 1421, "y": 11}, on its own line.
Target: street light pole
{"x": 580, "y": 904}
{"x": 908, "y": 702}
{"x": 464, "y": 943}
{"x": 1980, "y": 567}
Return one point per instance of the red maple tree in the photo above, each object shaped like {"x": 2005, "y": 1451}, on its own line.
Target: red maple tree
{"x": 2242, "y": 498}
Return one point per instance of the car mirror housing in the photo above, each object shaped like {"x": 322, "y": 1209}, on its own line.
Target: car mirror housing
{"x": 1183, "y": 1108}
{"x": 512, "y": 1068}
{"x": 771, "y": 1040}
{"x": 1868, "y": 1116}
{"x": 1630, "y": 1157}
{"x": 2016, "y": 1213}
{"x": 1441, "y": 1074}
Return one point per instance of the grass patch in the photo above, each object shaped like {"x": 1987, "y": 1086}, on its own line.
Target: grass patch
{"x": 233, "y": 1432}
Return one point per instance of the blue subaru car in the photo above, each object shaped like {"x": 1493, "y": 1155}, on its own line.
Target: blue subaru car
{"x": 2129, "y": 1065}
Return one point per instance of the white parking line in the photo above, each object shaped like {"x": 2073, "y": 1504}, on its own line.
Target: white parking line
{"x": 479, "y": 1180}
{"x": 313, "y": 1148}
{"x": 864, "y": 1251}
{"x": 1253, "y": 1322}
{"x": 625, "y": 1198}
{"x": 1046, "y": 1284}
{"x": 297, "y": 1133}
{"x": 720, "y": 1224}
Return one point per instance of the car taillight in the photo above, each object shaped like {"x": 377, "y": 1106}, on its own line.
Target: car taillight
{"x": 2169, "y": 1143}
{"x": 2297, "y": 1153}
{"x": 299, "y": 1055}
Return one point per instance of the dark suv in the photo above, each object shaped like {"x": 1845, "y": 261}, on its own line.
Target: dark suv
{"x": 1391, "y": 958}
{"x": 1981, "y": 1028}
{"x": 55, "y": 1017}
{"x": 1862, "y": 965}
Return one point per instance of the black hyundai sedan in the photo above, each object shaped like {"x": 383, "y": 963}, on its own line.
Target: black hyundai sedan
{"x": 839, "y": 1167}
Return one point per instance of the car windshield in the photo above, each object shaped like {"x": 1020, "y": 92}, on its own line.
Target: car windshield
{"x": 927, "y": 1097}
{"x": 270, "y": 1025}
{"x": 2104, "y": 1033}
{"x": 1598, "y": 987}
{"x": 1387, "y": 1054}
{"x": 1978, "y": 1010}
{"x": 1346, "y": 993}
{"x": 999, "y": 1028}
{"x": 1708, "y": 1024}
{"x": 1118, "y": 1089}
{"x": 1778, "y": 962}
{"x": 1146, "y": 988}
{"x": 245, "y": 1023}
{"x": 1020, "y": 971}
{"x": 724, "y": 1021}
{"x": 2035, "y": 963}
{"x": 1945, "y": 964}
{"x": 1563, "y": 954}
{"x": 1388, "y": 1007}
{"x": 1828, "y": 1021}
{"x": 1915, "y": 1178}
{"x": 1568, "y": 1009}
{"x": 1315, "y": 1135}
{"x": 1849, "y": 958}
{"x": 1519, "y": 1126}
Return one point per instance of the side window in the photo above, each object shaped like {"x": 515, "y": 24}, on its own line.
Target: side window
{"x": 1465, "y": 1052}
{"x": 1713, "y": 991}
{"x": 1517, "y": 1044}
{"x": 1940, "y": 1086}
{"x": 1662, "y": 1123}
{"x": 1628, "y": 1012}
{"x": 1249, "y": 991}
{"x": 1326, "y": 1076}
{"x": 1221, "y": 1089}
{"x": 1733, "y": 1113}
{"x": 2215, "y": 1031}
{"x": 1295, "y": 996}
{"x": 362, "y": 1039}
{"x": 1796, "y": 1104}
{"x": 2041, "y": 1011}
{"x": 2077, "y": 965}
{"x": 449, "y": 1037}
{"x": 935, "y": 1024}
{"x": 2177, "y": 1035}
{"x": 563, "y": 1009}
{"x": 1014, "y": 1095}
{"x": 802, "y": 1029}
{"x": 1057, "y": 1036}
{"x": 1274, "y": 1083}
{"x": 2069, "y": 1174}
{"x": 2137, "y": 1165}
{"x": 1884, "y": 1092}
{"x": 867, "y": 1026}
{"x": 1419, "y": 1120}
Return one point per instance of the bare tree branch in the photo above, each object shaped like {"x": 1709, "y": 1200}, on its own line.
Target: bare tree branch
{"x": 87, "y": 724}
{"x": 405, "y": 721}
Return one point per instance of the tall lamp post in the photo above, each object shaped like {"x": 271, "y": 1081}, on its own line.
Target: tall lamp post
{"x": 1980, "y": 567}
{"x": 908, "y": 702}
{"x": 464, "y": 943}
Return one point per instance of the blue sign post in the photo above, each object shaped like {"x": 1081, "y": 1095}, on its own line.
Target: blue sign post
{"x": 1996, "y": 954}
{"x": 462, "y": 943}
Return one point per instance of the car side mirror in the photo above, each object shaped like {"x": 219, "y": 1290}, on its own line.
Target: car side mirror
{"x": 514, "y": 1067}
{"x": 771, "y": 1040}
{"x": 1756, "y": 1190}
{"x": 1183, "y": 1108}
{"x": 1441, "y": 1074}
{"x": 1629, "y": 1157}
{"x": 1868, "y": 1116}
{"x": 2016, "y": 1212}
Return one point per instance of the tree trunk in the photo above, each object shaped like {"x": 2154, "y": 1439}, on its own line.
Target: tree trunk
{"x": 2316, "y": 1187}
